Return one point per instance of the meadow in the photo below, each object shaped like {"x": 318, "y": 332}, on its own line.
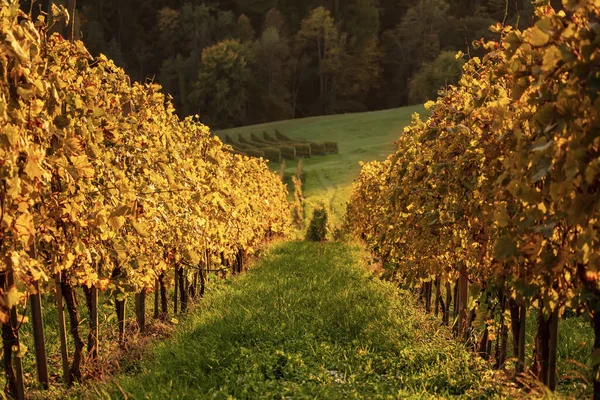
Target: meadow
{"x": 360, "y": 137}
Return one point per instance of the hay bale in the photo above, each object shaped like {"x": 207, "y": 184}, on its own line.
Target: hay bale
{"x": 288, "y": 152}
{"x": 331, "y": 148}
{"x": 317, "y": 149}
{"x": 272, "y": 154}
{"x": 303, "y": 150}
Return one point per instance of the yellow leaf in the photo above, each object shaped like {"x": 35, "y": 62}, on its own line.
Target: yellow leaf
{"x": 12, "y": 297}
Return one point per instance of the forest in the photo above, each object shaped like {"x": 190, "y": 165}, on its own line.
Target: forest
{"x": 240, "y": 62}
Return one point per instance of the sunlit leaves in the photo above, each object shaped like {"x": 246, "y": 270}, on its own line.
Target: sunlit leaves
{"x": 504, "y": 176}
{"x": 100, "y": 178}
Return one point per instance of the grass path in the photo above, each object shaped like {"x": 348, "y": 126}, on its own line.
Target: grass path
{"x": 308, "y": 321}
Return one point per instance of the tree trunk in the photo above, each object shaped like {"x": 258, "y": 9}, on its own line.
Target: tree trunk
{"x": 182, "y": 290}
{"x": 91, "y": 297}
{"x": 202, "y": 282}
{"x": 522, "y": 331}
{"x": 140, "y": 310}
{"x": 596, "y": 352}
{"x": 541, "y": 352}
{"x": 37, "y": 324}
{"x": 463, "y": 287}
{"x": 427, "y": 297}
{"x": 164, "y": 303}
{"x": 446, "y": 316}
{"x": 502, "y": 341}
{"x": 120, "y": 310}
{"x": 176, "y": 288}
{"x": 156, "y": 298}
{"x": 10, "y": 338}
{"x": 552, "y": 350}
{"x": 438, "y": 295}
{"x": 68, "y": 293}
{"x": 62, "y": 330}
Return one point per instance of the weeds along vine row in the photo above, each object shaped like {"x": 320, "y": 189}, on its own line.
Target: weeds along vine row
{"x": 103, "y": 187}
{"x": 499, "y": 190}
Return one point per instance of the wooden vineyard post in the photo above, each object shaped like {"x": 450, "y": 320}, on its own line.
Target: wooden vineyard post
{"x": 175, "y": 291}
{"x": 37, "y": 322}
{"x": 521, "y": 354}
{"x": 62, "y": 330}
{"x": 183, "y": 293}
{"x": 463, "y": 293}
{"x": 552, "y": 350}
{"x": 438, "y": 295}
{"x": 120, "y": 308}
{"x": 140, "y": 310}
{"x": 446, "y": 317}
{"x": 10, "y": 340}
{"x": 156, "y": 298}
{"x": 93, "y": 342}
{"x": 427, "y": 296}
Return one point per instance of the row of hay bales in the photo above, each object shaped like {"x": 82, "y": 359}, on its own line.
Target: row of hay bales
{"x": 277, "y": 146}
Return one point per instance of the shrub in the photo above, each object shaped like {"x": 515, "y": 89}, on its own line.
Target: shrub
{"x": 317, "y": 229}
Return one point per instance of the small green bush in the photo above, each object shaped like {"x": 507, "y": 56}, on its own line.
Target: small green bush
{"x": 317, "y": 229}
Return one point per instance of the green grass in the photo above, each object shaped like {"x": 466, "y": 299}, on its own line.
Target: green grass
{"x": 361, "y": 137}
{"x": 309, "y": 321}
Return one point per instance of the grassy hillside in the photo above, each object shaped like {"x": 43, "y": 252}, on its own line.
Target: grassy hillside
{"x": 361, "y": 137}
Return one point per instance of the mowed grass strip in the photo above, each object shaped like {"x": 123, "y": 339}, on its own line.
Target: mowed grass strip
{"x": 309, "y": 321}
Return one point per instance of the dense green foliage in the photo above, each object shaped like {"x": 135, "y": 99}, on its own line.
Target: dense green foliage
{"x": 317, "y": 227}
{"x": 309, "y": 321}
{"x": 304, "y": 57}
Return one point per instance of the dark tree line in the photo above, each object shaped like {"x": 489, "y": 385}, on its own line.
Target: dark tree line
{"x": 237, "y": 62}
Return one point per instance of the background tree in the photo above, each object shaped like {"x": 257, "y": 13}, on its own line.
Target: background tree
{"x": 443, "y": 71}
{"x": 321, "y": 42}
{"x": 363, "y": 43}
{"x": 219, "y": 94}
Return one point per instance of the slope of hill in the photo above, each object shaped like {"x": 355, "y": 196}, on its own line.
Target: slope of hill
{"x": 361, "y": 137}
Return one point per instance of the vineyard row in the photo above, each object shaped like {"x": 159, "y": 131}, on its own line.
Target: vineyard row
{"x": 497, "y": 193}
{"x": 104, "y": 189}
